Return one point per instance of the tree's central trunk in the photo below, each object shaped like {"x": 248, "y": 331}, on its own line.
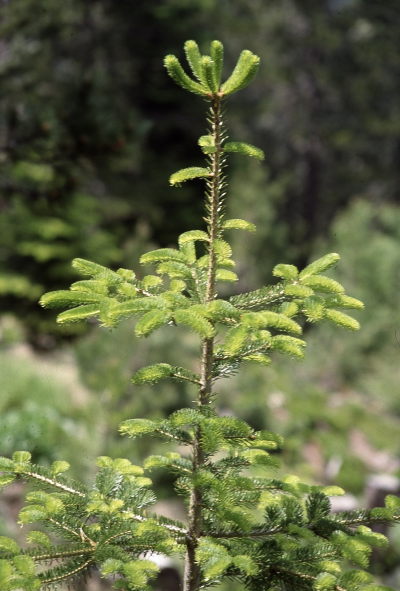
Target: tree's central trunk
{"x": 192, "y": 569}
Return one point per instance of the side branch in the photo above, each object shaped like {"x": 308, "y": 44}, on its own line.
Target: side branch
{"x": 69, "y": 574}
{"x": 241, "y": 534}
{"x": 172, "y": 528}
{"x": 67, "y": 554}
{"x": 368, "y": 520}
{"x": 51, "y": 482}
{"x": 180, "y": 377}
{"x": 64, "y": 527}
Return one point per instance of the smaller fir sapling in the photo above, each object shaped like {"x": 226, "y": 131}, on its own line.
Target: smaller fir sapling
{"x": 297, "y": 543}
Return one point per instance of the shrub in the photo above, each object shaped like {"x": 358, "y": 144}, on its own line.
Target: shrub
{"x": 268, "y": 533}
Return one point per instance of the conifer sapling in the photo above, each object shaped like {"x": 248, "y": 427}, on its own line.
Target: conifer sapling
{"x": 267, "y": 533}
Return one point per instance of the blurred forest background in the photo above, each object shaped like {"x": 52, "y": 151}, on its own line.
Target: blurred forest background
{"x": 91, "y": 128}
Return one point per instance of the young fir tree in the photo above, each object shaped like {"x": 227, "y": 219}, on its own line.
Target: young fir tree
{"x": 267, "y": 533}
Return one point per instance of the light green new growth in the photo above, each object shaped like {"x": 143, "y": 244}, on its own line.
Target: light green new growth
{"x": 193, "y": 57}
{"x": 217, "y": 56}
{"x": 267, "y": 533}
{"x": 188, "y": 173}
{"x": 238, "y": 225}
{"x": 242, "y": 148}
